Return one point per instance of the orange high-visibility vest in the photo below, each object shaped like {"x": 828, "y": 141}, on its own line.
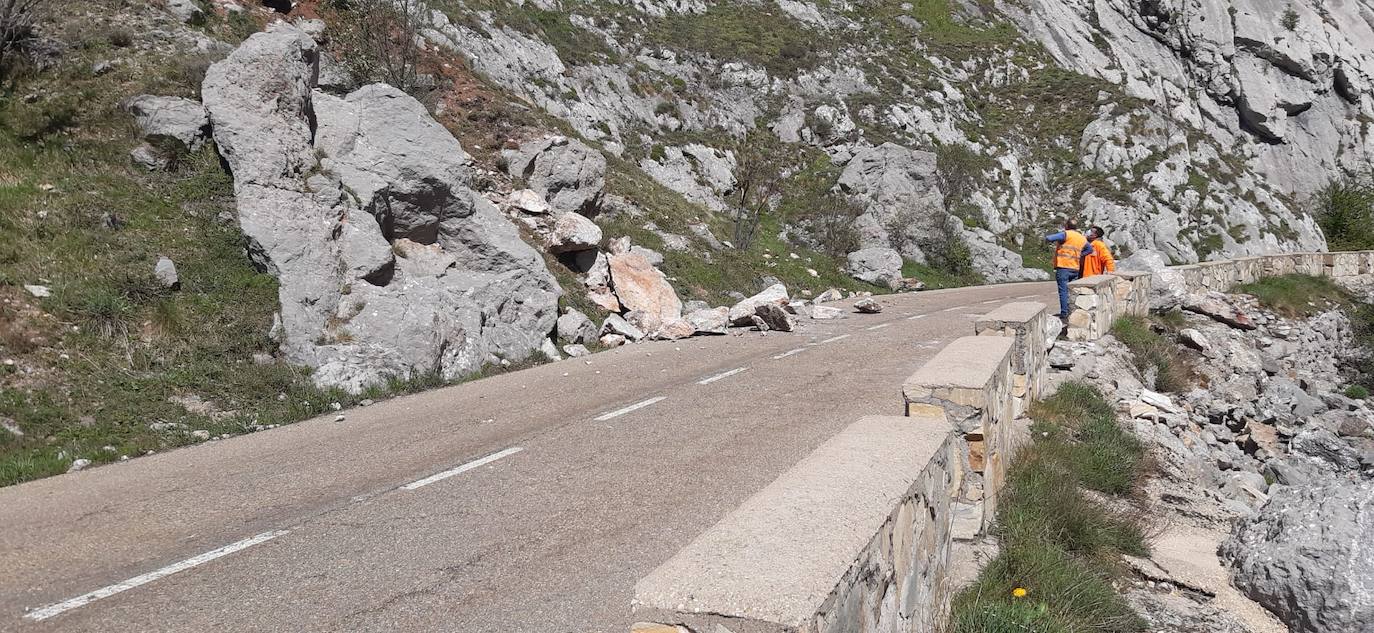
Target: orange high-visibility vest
{"x": 1100, "y": 261}
{"x": 1070, "y": 251}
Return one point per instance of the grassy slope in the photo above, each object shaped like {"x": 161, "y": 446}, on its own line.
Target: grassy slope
{"x": 1057, "y": 544}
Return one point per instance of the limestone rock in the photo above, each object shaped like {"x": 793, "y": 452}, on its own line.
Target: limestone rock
{"x": 573, "y": 232}
{"x": 173, "y": 118}
{"x": 187, "y": 11}
{"x": 567, "y": 173}
{"x": 743, "y": 312}
{"x": 165, "y": 271}
{"x": 640, "y": 286}
{"x": 1217, "y": 306}
{"x": 775, "y": 317}
{"x": 868, "y": 305}
{"x": 575, "y": 327}
{"x": 826, "y": 312}
{"x": 576, "y": 351}
{"x": 900, "y": 190}
{"x": 528, "y": 201}
{"x": 1304, "y": 556}
{"x": 1167, "y": 286}
{"x": 617, "y": 325}
{"x": 1194, "y": 339}
{"x": 673, "y": 330}
{"x": 612, "y": 340}
{"x": 466, "y": 290}
{"x": 710, "y": 320}
{"x": 878, "y": 266}
{"x": 832, "y": 294}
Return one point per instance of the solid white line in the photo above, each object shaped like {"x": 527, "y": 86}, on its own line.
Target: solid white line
{"x": 789, "y": 353}
{"x": 634, "y": 407}
{"x": 879, "y": 326}
{"x": 835, "y": 338}
{"x": 462, "y": 469}
{"x": 726, "y": 374}
{"x": 49, "y": 611}
{"x": 919, "y": 316}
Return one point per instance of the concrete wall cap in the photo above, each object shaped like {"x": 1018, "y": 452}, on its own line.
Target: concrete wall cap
{"x": 1094, "y": 281}
{"x": 779, "y": 555}
{"x": 971, "y": 362}
{"x": 1018, "y": 312}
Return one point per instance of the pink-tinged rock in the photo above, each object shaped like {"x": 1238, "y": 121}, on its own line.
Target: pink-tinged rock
{"x": 641, "y": 287}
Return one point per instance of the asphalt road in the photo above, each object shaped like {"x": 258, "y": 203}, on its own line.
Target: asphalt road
{"x": 530, "y": 501}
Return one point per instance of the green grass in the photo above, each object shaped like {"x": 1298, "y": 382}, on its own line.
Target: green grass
{"x": 936, "y": 278}
{"x": 1154, "y": 354}
{"x": 1297, "y": 295}
{"x": 760, "y": 34}
{"x": 1055, "y": 542}
{"x": 1358, "y": 392}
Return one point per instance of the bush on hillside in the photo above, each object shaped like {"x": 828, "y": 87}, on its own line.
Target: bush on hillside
{"x": 1154, "y": 355}
{"x": 379, "y": 40}
{"x": 1345, "y": 212}
{"x": 18, "y": 18}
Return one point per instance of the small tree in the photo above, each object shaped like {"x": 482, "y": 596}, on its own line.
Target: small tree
{"x": 379, "y": 40}
{"x": 757, "y": 185}
{"x": 17, "y": 21}
{"x": 1345, "y": 211}
{"x": 832, "y": 226}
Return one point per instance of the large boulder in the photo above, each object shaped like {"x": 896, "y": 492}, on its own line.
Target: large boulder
{"x": 743, "y": 312}
{"x": 878, "y": 266}
{"x": 1306, "y": 556}
{"x": 573, "y": 232}
{"x": 388, "y": 264}
{"x": 1168, "y": 289}
{"x": 709, "y": 320}
{"x": 570, "y": 175}
{"x": 575, "y": 327}
{"x": 641, "y": 287}
{"x": 900, "y": 189}
{"x": 172, "y": 118}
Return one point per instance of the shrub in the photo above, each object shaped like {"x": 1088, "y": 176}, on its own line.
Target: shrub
{"x": 1290, "y": 19}
{"x": 17, "y": 21}
{"x": 946, "y": 250}
{"x": 758, "y": 185}
{"x": 1358, "y": 392}
{"x": 1153, "y": 354}
{"x": 1345, "y": 212}
{"x": 378, "y": 40}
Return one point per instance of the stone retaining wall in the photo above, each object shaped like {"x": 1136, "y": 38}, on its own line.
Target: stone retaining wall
{"x": 857, "y": 536}
{"x": 1094, "y": 309}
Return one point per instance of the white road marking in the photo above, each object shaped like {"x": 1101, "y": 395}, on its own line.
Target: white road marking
{"x": 724, "y": 374}
{"x": 634, "y": 407}
{"x": 954, "y": 308}
{"x": 476, "y": 463}
{"x": 1027, "y": 296}
{"x": 879, "y": 326}
{"x": 789, "y": 353}
{"x": 991, "y": 301}
{"x": 49, "y": 611}
{"x": 919, "y": 316}
{"x": 835, "y": 338}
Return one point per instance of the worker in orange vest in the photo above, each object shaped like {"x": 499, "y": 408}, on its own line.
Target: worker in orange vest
{"x": 1070, "y": 247}
{"x": 1100, "y": 260}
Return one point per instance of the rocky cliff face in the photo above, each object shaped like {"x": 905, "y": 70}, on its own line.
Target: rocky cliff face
{"x": 389, "y": 264}
{"x": 1194, "y": 128}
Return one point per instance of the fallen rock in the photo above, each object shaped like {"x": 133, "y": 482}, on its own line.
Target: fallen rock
{"x": 907, "y": 284}
{"x": 878, "y": 266}
{"x": 78, "y": 464}
{"x": 573, "y": 232}
{"x": 776, "y": 317}
{"x": 170, "y": 118}
{"x": 1219, "y": 308}
{"x": 616, "y": 324}
{"x": 37, "y": 291}
{"x": 832, "y": 294}
{"x": 710, "y": 320}
{"x": 1167, "y": 285}
{"x": 673, "y": 330}
{"x": 826, "y": 312}
{"x": 1305, "y": 556}
{"x": 868, "y": 305}
{"x": 640, "y": 286}
{"x": 165, "y": 270}
{"x": 1194, "y": 339}
{"x": 575, "y": 327}
{"x": 743, "y": 312}
{"x": 1158, "y": 401}
{"x": 576, "y": 351}
{"x": 528, "y": 201}
{"x": 612, "y": 340}
{"x": 570, "y": 175}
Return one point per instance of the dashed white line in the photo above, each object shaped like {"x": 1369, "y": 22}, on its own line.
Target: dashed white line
{"x": 49, "y": 611}
{"x": 919, "y": 316}
{"x": 835, "y": 338}
{"x": 954, "y": 308}
{"x": 724, "y": 374}
{"x": 1027, "y": 296}
{"x": 462, "y": 469}
{"x": 634, "y": 407}
{"x": 789, "y": 353}
{"x": 879, "y": 326}
{"x": 991, "y": 301}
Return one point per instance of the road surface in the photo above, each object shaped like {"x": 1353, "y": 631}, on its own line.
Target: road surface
{"x": 530, "y": 501}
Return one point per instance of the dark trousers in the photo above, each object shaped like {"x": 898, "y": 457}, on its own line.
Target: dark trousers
{"x": 1063, "y": 276}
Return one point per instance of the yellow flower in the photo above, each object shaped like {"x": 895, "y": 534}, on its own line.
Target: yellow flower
{"x": 1019, "y": 592}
